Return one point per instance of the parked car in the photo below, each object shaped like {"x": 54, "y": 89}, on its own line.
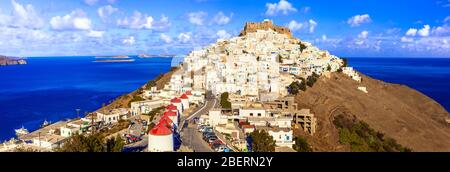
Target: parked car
{"x": 212, "y": 139}
{"x": 216, "y": 145}
{"x": 208, "y": 129}
{"x": 215, "y": 142}
{"x": 206, "y": 136}
{"x": 202, "y": 127}
{"x": 221, "y": 148}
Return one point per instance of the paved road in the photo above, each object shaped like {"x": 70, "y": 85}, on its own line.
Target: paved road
{"x": 190, "y": 136}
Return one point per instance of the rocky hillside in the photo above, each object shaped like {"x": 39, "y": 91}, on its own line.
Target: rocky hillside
{"x": 5, "y": 60}
{"x": 265, "y": 25}
{"x": 404, "y": 114}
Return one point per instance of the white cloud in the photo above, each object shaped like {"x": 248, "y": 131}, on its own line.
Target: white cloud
{"x": 106, "y": 11}
{"x": 184, "y": 37}
{"x": 143, "y": 21}
{"x": 405, "y": 39}
{"x": 197, "y": 18}
{"x": 95, "y": 34}
{"x": 222, "y": 34}
{"x": 312, "y": 25}
{"x": 76, "y": 20}
{"x": 363, "y": 35}
{"x": 294, "y": 25}
{"x": 283, "y": 6}
{"x": 441, "y": 30}
{"x": 309, "y": 25}
{"x": 129, "y": 41}
{"x": 411, "y": 32}
{"x": 222, "y": 19}
{"x": 324, "y": 37}
{"x": 162, "y": 24}
{"x": 165, "y": 38}
{"x": 357, "y": 20}
{"x": 425, "y": 31}
{"x": 22, "y": 16}
{"x": 447, "y": 19}
{"x": 94, "y": 2}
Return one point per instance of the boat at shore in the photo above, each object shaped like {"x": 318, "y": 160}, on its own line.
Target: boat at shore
{"x": 45, "y": 124}
{"x": 21, "y": 131}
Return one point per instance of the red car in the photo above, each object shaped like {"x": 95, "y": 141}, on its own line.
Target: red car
{"x": 215, "y": 142}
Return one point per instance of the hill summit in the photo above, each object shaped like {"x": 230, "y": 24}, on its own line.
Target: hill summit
{"x": 265, "y": 25}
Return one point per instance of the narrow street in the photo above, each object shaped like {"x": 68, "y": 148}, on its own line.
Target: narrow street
{"x": 190, "y": 135}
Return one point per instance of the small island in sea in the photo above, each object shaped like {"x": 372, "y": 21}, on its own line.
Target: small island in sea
{"x": 114, "y": 59}
{"x": 6, "y": 61}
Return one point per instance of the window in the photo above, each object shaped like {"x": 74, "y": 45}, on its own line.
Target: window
{"x": 259, "y": 114}
{"x": 251, "y": 114}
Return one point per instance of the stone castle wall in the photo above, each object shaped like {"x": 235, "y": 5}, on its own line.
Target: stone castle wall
{"x": 265, "y": 25}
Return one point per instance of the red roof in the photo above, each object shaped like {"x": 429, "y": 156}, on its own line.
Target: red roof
{"x": 188, "y": 93}
{"x": 171, "y": 107}
{"x": 160, "y": 130}
{"x": 175, "y": 100}
{"x": 184, "y": 96}
{"x": 248, "y": 126}
{"x": 170, "y": 113}
{"x": 165, "y": 120}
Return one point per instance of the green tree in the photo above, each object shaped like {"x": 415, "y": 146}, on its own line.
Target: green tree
{"x": 302, "y": 47}
{"x": 312, "y": 79}
{"x": 262, "y": 141}
{"x": 80, "y": 143}
{"x": 301, "y": 145}
{"x": 115, "y": 144}
{"x": 345, "y": 60}
{"x": 362, "y": 138}
{"x": 224, "y": 100}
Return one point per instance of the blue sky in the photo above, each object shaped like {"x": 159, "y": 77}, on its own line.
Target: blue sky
{"x": 347, "y": 28}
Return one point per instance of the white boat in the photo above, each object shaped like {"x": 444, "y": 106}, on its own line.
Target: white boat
{"x": 45, "y": 124}
{"x": 21, "y": 131}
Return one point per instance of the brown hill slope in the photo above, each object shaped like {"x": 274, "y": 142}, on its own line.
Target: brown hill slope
{"x": 406, "y": 115}
{"x": 124, "y": 100}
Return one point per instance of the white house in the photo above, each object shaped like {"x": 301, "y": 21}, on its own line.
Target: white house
{"x": 282, "y": 136}
{"x": 143, "y": 107}
{"x": 112, "y": 116}
{"x": 252, "y": 112}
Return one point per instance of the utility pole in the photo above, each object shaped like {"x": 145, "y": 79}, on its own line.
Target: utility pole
{"x": 78, "y": 112}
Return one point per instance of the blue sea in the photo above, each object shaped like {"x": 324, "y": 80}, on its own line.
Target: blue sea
{"x": 430, "y": 76}
{"x": 51, "y": 88}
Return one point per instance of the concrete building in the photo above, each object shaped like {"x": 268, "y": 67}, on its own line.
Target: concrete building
{"x": 305, "y": 120}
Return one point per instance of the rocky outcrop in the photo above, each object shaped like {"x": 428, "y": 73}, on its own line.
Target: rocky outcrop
{"x": 404, "y": 114}
{"x": 265, "y": 25}
{"x": 5, "y": 61}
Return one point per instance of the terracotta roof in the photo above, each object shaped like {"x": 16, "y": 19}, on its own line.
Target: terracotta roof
{"x": 171, "y": 107}
{"x": 189, "y": 93}
{"x": 184, "y": 96}
{"x": 175, "y": 100}
{"x": 160, "y": 130}
{"x": 170, "y": 113}
{"x": 165, "y": 120}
